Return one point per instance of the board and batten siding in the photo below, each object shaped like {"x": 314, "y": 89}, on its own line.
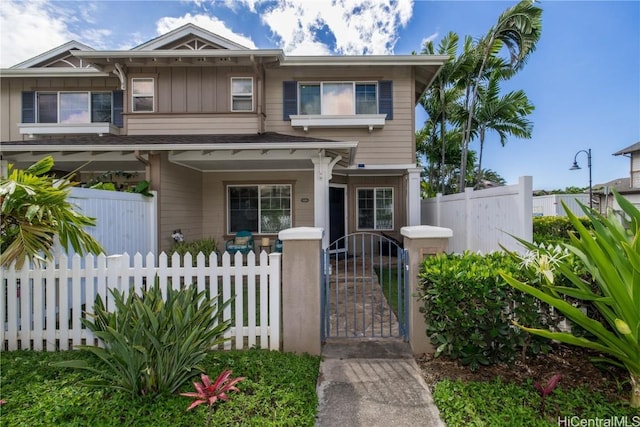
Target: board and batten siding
{"x": 180, "y": 201}
{"x": 215, "y": 204}
{"x": 11, "y": 99}
{"x": 393, "y": 144}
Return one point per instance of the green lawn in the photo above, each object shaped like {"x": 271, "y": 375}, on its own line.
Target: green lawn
{"x": 388, "y": 278}
{"x": 279, "y": 390}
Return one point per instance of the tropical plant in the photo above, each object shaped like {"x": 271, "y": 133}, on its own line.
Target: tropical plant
{"x": 152, "y": 344}
{"x": 518, "y": 30}
{"x": 611, "y": 254}
{"x": 34, "y": 211}
{"x": 546, "y": 390}
{"x": 210, "y": 394}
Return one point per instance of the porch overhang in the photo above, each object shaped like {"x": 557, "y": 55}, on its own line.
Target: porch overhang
{"x": 206, "y": 153}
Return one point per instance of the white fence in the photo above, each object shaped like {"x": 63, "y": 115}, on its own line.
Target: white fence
{"x": 42, "y": 308}
{"x": 125, "y": 222}
{"x": 551, "y": 204}
{"x": 483, "y": 220}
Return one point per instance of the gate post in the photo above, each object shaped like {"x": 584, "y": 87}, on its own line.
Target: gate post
{"x": 301, "y": 290}
{"x": 421, "y": 241}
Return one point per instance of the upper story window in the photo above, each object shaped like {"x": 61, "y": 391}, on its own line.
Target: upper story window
{"x": 73, "y": 107}
{"x": 241, "y": 94}
{"x": 338, "y": 98}
{"x": 142, "y": 94}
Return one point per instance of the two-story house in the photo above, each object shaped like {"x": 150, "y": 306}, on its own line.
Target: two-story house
{"x": 231, "y": 138}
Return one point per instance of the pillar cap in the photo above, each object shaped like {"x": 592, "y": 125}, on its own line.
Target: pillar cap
{"x": 426, "y": 232}
{"x": 301, "y": 233}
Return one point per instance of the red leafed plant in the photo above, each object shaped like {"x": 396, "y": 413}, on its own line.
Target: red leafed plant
{"x": 209, "y": 394}
{"x": 547, "y": 389}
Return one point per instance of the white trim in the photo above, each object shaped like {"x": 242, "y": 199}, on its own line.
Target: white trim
{"x": 66, "y": 128}
{"x": 426, "y": 232}
{"x": 301, "y": 233}
{"x": 186, "y": 30}
{"x": 364, "y": 60}
{"x": 143, "y": 95}
{"x": 371, "y": 121}
{"x": 52, "y": 72}
{"x": 52, "y": 53}
{"x": 242, "y": 95}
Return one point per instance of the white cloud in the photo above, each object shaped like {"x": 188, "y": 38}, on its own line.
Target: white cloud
{"x": 29, "y": 28}
{"x": 210, "y": 23}
{"x": 429, "y": 38}
{"x": 353, "y": 27}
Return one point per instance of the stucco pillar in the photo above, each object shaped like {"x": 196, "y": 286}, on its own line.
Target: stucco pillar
{"x": 301, "y": 292}
{"x": 413, "y": 196}
{"x": 421, "y": 241}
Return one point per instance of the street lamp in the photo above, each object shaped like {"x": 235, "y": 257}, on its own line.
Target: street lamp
{"x": 576, "y": 167}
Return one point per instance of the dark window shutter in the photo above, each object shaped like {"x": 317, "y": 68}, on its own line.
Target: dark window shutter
{"x": 117, "y": 108}
{"x": 28, "y": 107}
{"x": 385, "y": 98}
{"x": 289, "y": 99}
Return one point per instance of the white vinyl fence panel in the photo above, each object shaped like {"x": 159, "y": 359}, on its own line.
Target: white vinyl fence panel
{"x": 484, "y": 220}
{"x": 551, "y": 205}
{"x": 125, "y": 222}
{"x": 41, "y": 307}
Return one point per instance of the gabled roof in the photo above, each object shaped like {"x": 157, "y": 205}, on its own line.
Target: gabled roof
{"x": 186, "y": 31}
{"x": 53, "y": 54}
{"x": 630, "y": 149}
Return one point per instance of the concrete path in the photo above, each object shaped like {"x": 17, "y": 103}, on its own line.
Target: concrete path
{"x": 372, "y": 382}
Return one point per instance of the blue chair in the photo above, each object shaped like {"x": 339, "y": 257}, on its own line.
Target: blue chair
{"x": 243, "y": 243}
{"x": 277, "y": 245}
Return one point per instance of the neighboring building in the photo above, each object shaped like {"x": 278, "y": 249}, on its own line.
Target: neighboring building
{"x": 551, "y": 204}
{"x": 230, "y": 138}
{"x": 629, "y": 186}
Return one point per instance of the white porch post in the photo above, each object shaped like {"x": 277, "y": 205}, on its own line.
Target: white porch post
{"x": 322, "y": 174}
{"x": 413, "y": 196}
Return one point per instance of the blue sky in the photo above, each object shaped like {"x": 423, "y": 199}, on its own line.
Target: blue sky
{"x": 584, "y": 77}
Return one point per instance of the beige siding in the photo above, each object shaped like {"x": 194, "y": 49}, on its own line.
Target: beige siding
{"x": 214, "y": 198}
{"x": 180, "y": 202}
{"x": 168, "y": 124}
{"x": 394, "y": 144}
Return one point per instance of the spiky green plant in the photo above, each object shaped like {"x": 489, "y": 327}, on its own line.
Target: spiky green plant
{"x": 611, "y": 255}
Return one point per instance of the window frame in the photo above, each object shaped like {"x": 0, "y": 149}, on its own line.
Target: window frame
{"x": 242, "y": 96}
{"x": 151, "y": 95}
{"x": 58, "y": 105}
{"x": 354, "y": 101}
{"x": 259, "y": 187}
{"x": 376, "y": 227}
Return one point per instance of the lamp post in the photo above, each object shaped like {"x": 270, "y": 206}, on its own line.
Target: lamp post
{"x": 576, "y": 167}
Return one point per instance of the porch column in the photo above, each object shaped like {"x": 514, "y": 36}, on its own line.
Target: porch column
{"x": 413, "y": 196}
{"x": 421, "y": 241}
{"x": 301, "y": 291}
{"x": 322, "y": 167}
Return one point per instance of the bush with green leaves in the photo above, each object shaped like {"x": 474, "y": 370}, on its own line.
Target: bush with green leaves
{"x": 152, "y": 344}
{"x": 206, "y": 246}
{"x": 554, "y": 229}
{"x": 469, "y": 309}
{"x": 610, "y": 252}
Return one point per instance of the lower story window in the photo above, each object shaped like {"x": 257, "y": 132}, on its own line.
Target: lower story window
{"x": 259, "y": 208}
{"x": 375, "y": 208}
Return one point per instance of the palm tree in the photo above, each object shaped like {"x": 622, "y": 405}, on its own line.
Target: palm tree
{"x": 506, "y": 115}
{"x": 34, "y": 211}
{"x": 518, "y": 29}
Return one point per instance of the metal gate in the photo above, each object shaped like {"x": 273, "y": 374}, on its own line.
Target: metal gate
{"x": 364, "y": 288}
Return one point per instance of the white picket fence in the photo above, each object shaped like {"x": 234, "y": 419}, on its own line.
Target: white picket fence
{"x": 42, "y": 307}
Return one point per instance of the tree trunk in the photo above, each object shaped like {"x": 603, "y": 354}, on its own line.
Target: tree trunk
{"x": 479, "y": 173}
{"x": 635, "y": 390}
{"x": 443, "y": 129}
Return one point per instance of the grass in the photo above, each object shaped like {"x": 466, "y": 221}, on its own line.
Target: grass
{"x": 279, "y": 389}
{"x": 500, "y": 404}
{"x": 388, "y": 278}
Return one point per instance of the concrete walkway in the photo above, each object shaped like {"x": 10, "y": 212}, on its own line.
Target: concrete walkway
{"x": 372, "y": 382}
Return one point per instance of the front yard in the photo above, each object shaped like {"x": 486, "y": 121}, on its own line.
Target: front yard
{"x": 279, "y": 389}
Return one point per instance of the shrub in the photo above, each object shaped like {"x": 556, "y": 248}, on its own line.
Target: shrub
{"x": 152, "y": 344}
{"x": 611, "y": 253}
{"x": 206, "y": 246}
{"x": 468, "y": 309}
{"x": 554, "y": 229}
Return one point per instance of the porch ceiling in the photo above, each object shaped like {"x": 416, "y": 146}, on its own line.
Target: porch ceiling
{"x": 267, "y": 151}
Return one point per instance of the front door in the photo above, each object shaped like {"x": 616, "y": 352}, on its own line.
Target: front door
{"x": 337, "y": 215}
